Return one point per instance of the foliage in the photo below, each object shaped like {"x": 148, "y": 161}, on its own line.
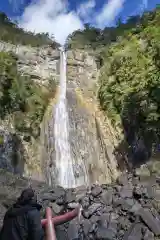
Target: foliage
{"x": 130, "y": 82}
{"x": 21, "y": 98}
{"x": 10, "y": 32}
{"x": 94, "y": 38}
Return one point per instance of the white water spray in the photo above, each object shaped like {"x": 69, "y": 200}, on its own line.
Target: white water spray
{"x": 64, "y": 163}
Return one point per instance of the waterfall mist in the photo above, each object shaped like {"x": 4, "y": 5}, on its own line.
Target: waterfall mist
{"x": 64, "y": 162}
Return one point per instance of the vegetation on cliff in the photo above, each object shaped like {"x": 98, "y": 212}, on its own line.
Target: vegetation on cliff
{"x": 95, "y": 38}
{"x": 10, "y": 32}
{"x": 21, "y": 99}
{"x": 130, "y": 84}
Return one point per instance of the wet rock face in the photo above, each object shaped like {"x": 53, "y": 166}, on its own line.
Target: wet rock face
{"x": 91, "y": 160}
{"x": 106, "y": 214}
{"x": 40, "y": 63}
{"x": 11, "y": 152}
{"x": 82, "y": 70}
{"x": 93, "y": 155}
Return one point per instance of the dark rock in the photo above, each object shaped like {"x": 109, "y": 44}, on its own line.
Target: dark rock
{"x": 114, "y": 216}
{"x": 56, "y": 208}
{"x": 91, "y": 210}
{"x": 104, "y": 219}
{"x": 54, "y": 194}
{"x": 73, "y": 230}
{"x": 126, "y": 192}
{"x": 113, "y": 228}
{"x": 103, "y": 233}
{"x": 58, "y": 191}
{"x": 8, "y": 202}
{"x": 85, "y": 214}
{"x": 135, "y": 180}
{"x": 107, "y": 197}
{"x": 93, "y": 228}
{"x": 148, "y": 235}
{"x": 117, "y": 188}
{"x": 96, "y": 191}
{"x": 108, "y": 209}
{"x": 135, "y": 208}
{"x": 127, "y": 204}
{"x": 94, "y": 219}
{"x": 61, "y": 232}
{"x": 150, "y": 192}
{"x": 60, "y": 201}
{"x": 134, "y": 233}
{"x": 152, "y": 222}
{"x": 120, "y": 234}
{"x": 117, "y": 201}
{"x": 86, "y": 226}
{"x": 124, "y": 223}
{"x": 123, "y": 180}
{"x": 137, "y": 192}
{"x": 49, "y": 196}
{"x": 70, "y": 196}
{"x": 85, "y": 202}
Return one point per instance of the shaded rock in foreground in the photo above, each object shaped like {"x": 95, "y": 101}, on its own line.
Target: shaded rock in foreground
{"x": 108, "y": 215}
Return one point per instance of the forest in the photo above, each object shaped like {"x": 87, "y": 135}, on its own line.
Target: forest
{"x": 21, "y": 99}
{"x": 129, "y": 84}
{"x": 10, "y": 32}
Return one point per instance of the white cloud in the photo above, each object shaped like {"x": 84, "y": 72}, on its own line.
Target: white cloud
{"x": 50, "y": 16}
{"x": 86, "y": 9}
{"x": 108, "y": 13}
{"x": 53, "y": 16}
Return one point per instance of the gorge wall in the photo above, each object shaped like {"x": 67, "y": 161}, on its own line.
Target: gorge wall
{"x": 94, "y": 146}
{"x": 41, "y": 65}
{"x": 91, "y": 146}
{"x": 90, "y": 135}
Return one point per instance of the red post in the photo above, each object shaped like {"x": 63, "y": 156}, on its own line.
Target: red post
{"x": 62, "y": 218}
{"x": 50, "y": 231}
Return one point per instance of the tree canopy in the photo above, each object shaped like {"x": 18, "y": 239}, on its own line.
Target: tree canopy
{"x": 10, "y": 32}
{"x": 21, "y": 98}
{"x": 129, "y": 89}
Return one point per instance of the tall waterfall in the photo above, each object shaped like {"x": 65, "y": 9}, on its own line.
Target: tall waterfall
{"x": 63, "y": 138}
{"x": 64, "y": 163}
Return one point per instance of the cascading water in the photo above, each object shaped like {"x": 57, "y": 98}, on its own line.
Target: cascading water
{"x": 64, "y": 164}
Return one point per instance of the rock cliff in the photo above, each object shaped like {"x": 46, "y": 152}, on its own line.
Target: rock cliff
{"x": 41, "y": 65}
{"x": 91, "y": 140}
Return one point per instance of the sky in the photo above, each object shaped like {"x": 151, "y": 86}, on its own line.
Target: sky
{"x": 61, "y": 17}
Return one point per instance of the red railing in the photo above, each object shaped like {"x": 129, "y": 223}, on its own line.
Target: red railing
{"x": 49, "y": 222}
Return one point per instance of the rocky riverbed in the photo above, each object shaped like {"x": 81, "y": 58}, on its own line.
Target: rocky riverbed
{"x": 127, "y": 209}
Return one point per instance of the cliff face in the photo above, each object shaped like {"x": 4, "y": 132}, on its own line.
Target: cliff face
{"x": 91, "y": 137}
{"x": 91, "y": 140}
{"x": 41, "y": 65}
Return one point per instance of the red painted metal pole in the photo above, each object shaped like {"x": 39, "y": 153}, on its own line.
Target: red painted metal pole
{"x": 63, "y": 218}
{"x": 50, "y": 231}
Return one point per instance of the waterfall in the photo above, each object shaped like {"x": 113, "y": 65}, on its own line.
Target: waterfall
{"x": 64, "y": 164}
{"x": 61, "y": 154}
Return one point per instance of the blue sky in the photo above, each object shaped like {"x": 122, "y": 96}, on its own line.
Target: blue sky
{"x": 62, "y": 17}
